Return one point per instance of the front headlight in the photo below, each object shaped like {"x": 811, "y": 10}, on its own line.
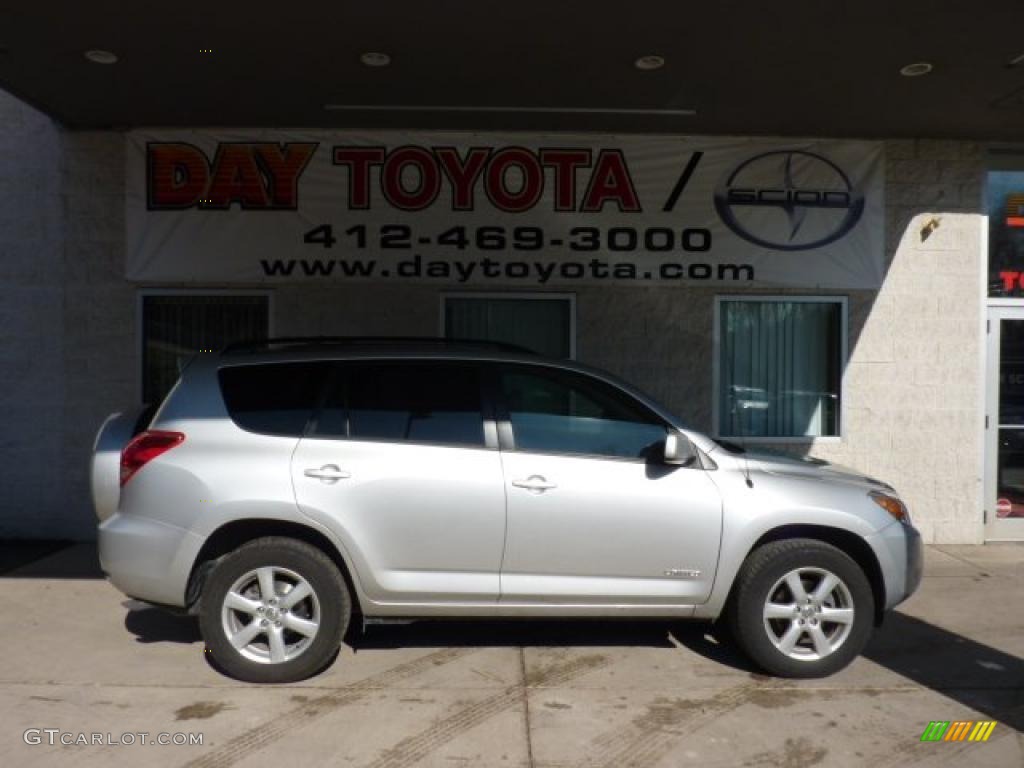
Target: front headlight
{"x": 892, "y": 505}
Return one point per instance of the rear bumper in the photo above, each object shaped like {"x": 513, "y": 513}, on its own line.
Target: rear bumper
{"x": 145, "y": 558}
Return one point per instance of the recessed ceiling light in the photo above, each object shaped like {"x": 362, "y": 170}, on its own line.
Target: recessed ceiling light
{"x": 916, "y": 70}
{"x": 97, "y": 56}
{"x": 648, "y": 63}
{"x": 375, "y": 59}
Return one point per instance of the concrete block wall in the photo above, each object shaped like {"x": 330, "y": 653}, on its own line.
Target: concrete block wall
{"x": 70, "y": 346}
{"x": 66, "y": 317}
{"x": 914, "y": 383}
{"x": 100, "y": 349}
{"x": 31, "y": 326}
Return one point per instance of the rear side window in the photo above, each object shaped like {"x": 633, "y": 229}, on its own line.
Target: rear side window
{"x": 273, "y": 399}
{"x": 405, "y": 402}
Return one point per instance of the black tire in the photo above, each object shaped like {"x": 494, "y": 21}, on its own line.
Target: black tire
{"x": 762, "y": 572}
{"x": 331, "y": 597}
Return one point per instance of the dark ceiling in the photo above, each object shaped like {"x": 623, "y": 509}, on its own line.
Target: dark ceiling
{"x": 798, "y": 67}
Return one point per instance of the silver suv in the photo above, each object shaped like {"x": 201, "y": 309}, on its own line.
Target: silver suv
{"x": 284, "y": 486}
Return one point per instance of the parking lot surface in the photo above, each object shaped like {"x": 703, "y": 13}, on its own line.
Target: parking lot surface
{"x": 80, "y": 661}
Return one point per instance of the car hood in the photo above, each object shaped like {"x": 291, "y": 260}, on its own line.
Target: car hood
{"x": 780, "y": 464}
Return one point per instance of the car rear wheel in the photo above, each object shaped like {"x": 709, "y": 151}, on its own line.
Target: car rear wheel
{"x": 801, "y": 608}
{"x": 274, "y": 611}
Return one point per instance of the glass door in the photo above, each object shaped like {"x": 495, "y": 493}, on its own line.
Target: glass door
{"x": 1004, "y": 436}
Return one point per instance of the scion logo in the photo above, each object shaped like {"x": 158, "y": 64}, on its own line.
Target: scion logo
{"x": 789, "y": 200}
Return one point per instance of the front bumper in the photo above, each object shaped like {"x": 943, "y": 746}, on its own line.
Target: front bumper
{"x": 900, "y": 554}
{"x": 915, "y": 560}
{"x": 145, "y": 558}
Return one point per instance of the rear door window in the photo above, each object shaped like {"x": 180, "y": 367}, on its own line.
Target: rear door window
{"x": 417, "y": 402}
{"x": 272, "y": 398}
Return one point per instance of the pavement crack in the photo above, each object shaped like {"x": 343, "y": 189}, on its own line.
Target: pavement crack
{"x": 961, "y": 559}
{"x": 527, "y": 728}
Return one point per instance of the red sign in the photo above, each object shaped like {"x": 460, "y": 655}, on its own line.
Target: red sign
{"x": 1003, "y": 508}
{"x": 1015, "y": 210}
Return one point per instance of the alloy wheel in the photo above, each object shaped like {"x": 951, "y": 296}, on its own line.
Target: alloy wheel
{"x": 808, "y": 614}
{"x": 271, "y": 615}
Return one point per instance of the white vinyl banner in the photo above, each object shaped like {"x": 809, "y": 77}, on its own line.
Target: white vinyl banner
{"x": 523, "y": 210}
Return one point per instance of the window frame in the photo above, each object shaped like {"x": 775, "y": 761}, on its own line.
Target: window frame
{"x": 506, "y": 433}
{"x": 140, "y": 301}
{"x": 338, "y": 376}
{"x": 512, "y": 295}
{"x": 716, "y": 372}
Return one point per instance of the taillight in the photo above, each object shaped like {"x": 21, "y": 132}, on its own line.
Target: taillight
{"x": 145, "y": 447}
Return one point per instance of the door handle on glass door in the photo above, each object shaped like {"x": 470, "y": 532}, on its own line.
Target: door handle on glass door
{"x": 328, "y": 473}
{"x": 534, "y": 483}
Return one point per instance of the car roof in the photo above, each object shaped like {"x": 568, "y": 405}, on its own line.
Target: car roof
{"x": 388, "y": 350}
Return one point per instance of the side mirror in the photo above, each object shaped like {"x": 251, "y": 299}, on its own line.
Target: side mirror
{"x": 678, "y": 450}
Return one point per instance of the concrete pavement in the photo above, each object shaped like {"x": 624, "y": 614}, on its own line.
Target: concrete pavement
{"x": 82, "y": 659}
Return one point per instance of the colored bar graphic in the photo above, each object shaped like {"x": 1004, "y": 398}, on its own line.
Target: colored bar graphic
{"x": 958, "y": 730}
{"x": 982, "y": 731}
{"x": 935, "y": 731}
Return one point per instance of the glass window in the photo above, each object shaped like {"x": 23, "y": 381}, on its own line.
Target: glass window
{"x": 275, "y": 399}
{"x": 415, "y": 402}
{"x": 1005, "y": 196}
{"x": 552, "y": 412}
{"x": 780, "y": 366}
{"x": 542, "y": 325}
{"x": 174, "y": 327}
{"x": 1010, "y": 458}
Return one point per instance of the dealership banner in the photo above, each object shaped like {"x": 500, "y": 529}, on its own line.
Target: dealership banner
{"x": 524, "y": 210}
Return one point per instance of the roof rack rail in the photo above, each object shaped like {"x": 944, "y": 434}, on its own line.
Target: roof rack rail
{"x": 258, "y": 345}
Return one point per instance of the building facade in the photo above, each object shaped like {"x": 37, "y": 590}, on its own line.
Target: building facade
{"x": 901, "y": 379}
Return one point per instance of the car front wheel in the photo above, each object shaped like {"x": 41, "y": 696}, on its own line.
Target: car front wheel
{"x": 801, "y": 608}
{"x": 274, "y": 611}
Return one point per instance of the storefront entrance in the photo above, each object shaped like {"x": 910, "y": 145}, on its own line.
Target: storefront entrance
{"x": 1004, "y": 436}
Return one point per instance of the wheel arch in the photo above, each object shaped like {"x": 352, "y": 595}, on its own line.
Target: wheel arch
{"x": 231, "y": 535}
{"x": 845, "y": 541}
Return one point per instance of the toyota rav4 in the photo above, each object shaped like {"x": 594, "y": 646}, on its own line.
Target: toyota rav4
{"x": 284, "y": 486}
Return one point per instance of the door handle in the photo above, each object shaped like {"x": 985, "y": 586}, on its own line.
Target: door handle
{"x": 535, "y": 484}
{"x": 328, "y": 473}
